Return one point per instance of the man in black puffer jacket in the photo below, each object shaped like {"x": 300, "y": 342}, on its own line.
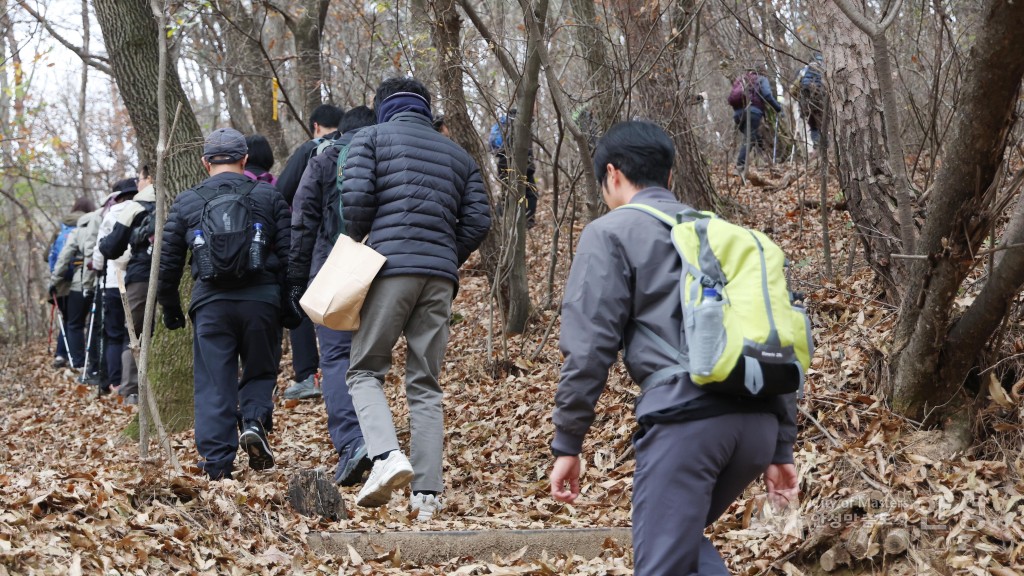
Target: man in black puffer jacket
{"x": 316, "y": 224}
{"x": 420, "y": 200}
{"x": 236, "y": 315}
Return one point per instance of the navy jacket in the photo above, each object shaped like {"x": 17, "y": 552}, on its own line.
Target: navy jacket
{"x": 417, "y": 195}
{"x": 288, "y": 181}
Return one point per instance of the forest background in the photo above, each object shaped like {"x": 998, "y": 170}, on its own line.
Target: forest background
{"x": 904, "y": 232}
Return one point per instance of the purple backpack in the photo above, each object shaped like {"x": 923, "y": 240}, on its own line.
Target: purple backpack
{"x": 746, "y": 92}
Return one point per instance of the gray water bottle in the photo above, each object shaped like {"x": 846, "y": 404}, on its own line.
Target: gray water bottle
{"x": 257, "y": 248}
{"x": 201, "y": 252}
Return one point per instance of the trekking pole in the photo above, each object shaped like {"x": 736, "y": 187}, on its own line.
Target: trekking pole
{"x": 88, "y": 339}
{"x": 775, "y": 138}
{"x": 63, "y": 334}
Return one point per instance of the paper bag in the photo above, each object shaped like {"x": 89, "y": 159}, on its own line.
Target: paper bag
{"x": 336, "y": 295}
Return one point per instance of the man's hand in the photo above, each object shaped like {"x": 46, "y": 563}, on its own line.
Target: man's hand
{"x": 292, "y": 313}
{"x": 565, "y": 478}
{"x": 52, "y": 290}
{"x": 174, "y": 318}
{"x": 782, "y": 484}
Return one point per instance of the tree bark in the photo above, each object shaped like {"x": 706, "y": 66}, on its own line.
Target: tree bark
{"x": 865, "y": 176}
{"x": 933, "y": 355}
{"x": 130, "y": 34}
{"x": 307, "y": 27}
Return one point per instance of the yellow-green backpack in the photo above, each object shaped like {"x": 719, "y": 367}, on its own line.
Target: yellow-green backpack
{"x": 743, "y": 334}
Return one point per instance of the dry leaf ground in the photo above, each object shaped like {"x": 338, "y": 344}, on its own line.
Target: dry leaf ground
{"x": 74, "y": 497}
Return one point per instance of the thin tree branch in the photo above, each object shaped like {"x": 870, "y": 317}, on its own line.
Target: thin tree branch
{"x": 499, "y": 51}
{"x": 857, "y": 17}
{"x": 98, "y": 62}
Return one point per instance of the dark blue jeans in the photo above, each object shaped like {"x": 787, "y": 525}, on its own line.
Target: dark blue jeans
{"x": 305, "y": 359}
{"x": 751, "y": 130}
{"x": 226, "y": 331}
{"x": 74, "y": 326}
{"x": 342, "y": 422}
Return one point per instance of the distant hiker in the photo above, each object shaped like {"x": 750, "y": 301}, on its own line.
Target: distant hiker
{"x": 316, "y": 224}
{"x": 418, "y": 199}
{"x": 441, "y": 126}
{"x": 809, "y": 90}
{"x": 261, "y": 159}
{"x": 133, "y": 234}
{"x": 72, "y": 277}
{"x": 237, "y": 231}
{"x": 695, "y": 450}
{"x": 750, "y": 91}
{"x": 323, "y": 123}
{"x": 60, "y": 290}
{"x": 500, "y": 141}
{"x": 115, "y": 331}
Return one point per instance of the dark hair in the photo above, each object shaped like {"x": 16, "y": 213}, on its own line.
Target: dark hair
{"x": 144, "y": 171}
{"x": 326, "y": 115}
{"x": 83, "y": 204}
{"x": 400, "y": 84}
{"x": 438, "y": 122}
{"x": 641, "y": 150}
{"x": 260, "y": 152}
{"x": 356, "y": 118}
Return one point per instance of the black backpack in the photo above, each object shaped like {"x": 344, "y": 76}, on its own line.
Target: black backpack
{"x": 141, "y": 238}
{"x": 227, "y": 227}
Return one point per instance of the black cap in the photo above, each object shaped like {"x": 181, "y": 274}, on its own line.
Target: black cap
{"x": 225, "y": 146}
{"x": 126, "y": 186}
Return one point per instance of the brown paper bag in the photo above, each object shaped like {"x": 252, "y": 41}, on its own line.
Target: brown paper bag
{"x": 336, "y": 295}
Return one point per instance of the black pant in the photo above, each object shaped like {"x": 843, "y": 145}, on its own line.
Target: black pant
{"x": 505, "y": 173}
{"x": 115, "y": 335}
{"x": 305, "y": 357}
{"x": 226, "y": 331}
{"x": 74, "y": 326}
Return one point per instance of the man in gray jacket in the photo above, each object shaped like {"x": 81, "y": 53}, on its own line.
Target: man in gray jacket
{"x": 695, "y": 451}
{"x": 419, "y": 200}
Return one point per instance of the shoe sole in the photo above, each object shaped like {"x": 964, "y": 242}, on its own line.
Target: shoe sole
{"x": 260, "y": 457}
{"x": 355, "y": 476}
{"x": 382, "y": 495}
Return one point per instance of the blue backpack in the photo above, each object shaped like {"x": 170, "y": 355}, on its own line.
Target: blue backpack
{"x": 58, "y": 244}
{"x": 496, "y": 139}
{"x": 812, "y": 76}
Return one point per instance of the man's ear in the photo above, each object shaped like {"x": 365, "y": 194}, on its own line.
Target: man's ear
{"x": 206, "y": 165}
{"x": 245, "y": 160}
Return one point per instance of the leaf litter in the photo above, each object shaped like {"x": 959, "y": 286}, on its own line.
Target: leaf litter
{"x": 76, "y": 499}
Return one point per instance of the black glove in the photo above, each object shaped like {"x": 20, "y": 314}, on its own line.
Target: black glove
{"x": 291, "y": 311}
{"x": 52, "y": 290}
{"x": 174, "y": 318}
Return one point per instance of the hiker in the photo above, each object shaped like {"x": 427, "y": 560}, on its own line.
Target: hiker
{"x": 237, "y": 231}
{"x": 115, "y": 330}
{"x": 750, "y": 91}
{"x": 809, "y": 90}
{"x": 624, "y": 285}
{"x": 134, "y": 228}
{"x": 323, "y": 123}
{"x": 71, "y": 276}
{"x": 418, "y": 199}
{"x": 441, "y": 126}
{"x": 59, "y": 292}
{"x": 316, "y": 224}
{"x": 261, "y": 159}
{"x": 500, "y": 141}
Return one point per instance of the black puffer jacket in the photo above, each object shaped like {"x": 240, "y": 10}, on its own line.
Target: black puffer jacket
{"x": 291, "y": 175}
{"x": 315, "y": 216}
{"x": 417, "y": 194}
{"x": 268, "y": 207}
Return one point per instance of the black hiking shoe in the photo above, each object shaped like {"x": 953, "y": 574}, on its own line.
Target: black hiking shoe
{"x": 353, "y": 464}
{"x": 254, "y": 441}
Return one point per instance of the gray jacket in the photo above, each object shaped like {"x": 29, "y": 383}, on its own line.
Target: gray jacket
{"x": 626, "y": 271}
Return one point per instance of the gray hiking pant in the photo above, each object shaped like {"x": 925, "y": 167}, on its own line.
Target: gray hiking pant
{"x": 136, "y": 292}
{"x": 418, "y": 307}
{"x": 687, "y": 475}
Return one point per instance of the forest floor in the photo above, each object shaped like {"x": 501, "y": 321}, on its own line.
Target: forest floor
{"x": 878, "y": 494}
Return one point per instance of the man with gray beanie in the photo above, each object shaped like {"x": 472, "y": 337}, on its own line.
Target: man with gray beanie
{"x": 238, "y": 231}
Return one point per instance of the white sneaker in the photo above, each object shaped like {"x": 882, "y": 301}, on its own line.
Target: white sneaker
{"x": 427, "y": 504}
{"x": 392, "y": 473}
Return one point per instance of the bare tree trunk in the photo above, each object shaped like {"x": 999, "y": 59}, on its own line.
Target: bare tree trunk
{"x": 933, "y": 354}
{"x": 865, "y": 175}
{"x": 83, "y": 97}
{"x": 130, "y": 34}
{"x": 308, "y": 27}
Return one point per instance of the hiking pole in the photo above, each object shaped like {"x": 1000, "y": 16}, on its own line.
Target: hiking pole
{"x": 88, "y": 340}
{"x": 63, "y": 334}
{"x": 775, "y": 137}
